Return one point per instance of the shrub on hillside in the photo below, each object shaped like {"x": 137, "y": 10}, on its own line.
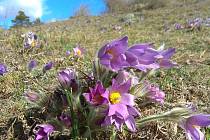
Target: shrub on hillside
{"x": 154, "y": 4}
{"x": 114, "y": 6}
{"x": 118, "y": 5}
{"x": 82, "y": 11}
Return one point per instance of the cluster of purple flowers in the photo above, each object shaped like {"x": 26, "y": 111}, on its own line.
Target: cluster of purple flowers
{"x": 116, "y": 101}
{"x": 31, "y": 65}
{"x": 196, "y": 23}
{"x": 117, "y": 56}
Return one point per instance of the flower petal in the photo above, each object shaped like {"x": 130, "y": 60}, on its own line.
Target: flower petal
{"x": 133, "y": 111}
{"x": 127, "y": 99}
{"x": 193, "y": 132}
{"x": 166, "y": 63}
{"x": 199, "y": 120}
{"x": 167, "y": 54}
{"x": 130, "y": 123}
{"x": 124, "y": 87}
{"x": 119, "y": 109}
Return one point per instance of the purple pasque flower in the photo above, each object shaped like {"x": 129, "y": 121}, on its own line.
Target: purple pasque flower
{"x": 191, "y": 106}
{"x": 192, "y": 125}
{"x": 31, "y": 96}
{"x": 97, "y": 95}
{"x": 153, "y": 93}
{"x": 195, "y": 23}
{"x": 67, "y": 79}
{"x": 48, "y": 66}
{"x": 68, "y": 53}
{"x": 116, "y": 55}
{"x": 112, "y": 55}
{"x": 78, "y": 51}
{"x": 120, "y": 107}
{"x": 163, "y": 59}
{"x": 178, "y": 26}
{"x": 44, "y": 131}
{"x": 30, "y": 40}
{"x": 3, "y": 69}
{"x": 142, "y": 56}
{"x": 32, "y": 64}
{"x": 124, "y": 76}
{"x": 64, "y": 118}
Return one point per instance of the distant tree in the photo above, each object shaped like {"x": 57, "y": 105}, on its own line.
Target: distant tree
{"x": 82, "y": 11}
{"x": 37, "y": 21}
{"x": 21, "y": 20}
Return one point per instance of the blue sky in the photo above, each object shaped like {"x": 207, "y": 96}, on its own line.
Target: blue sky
{"x": 66, "y": 8}
{"x": 47, "y": 10}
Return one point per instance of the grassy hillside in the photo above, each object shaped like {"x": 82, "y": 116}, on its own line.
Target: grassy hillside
{"x": 189, "y": 82}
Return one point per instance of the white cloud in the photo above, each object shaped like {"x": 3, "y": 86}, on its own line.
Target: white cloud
{"x": 52, "y": 20}
{"x": 32, "y": 8}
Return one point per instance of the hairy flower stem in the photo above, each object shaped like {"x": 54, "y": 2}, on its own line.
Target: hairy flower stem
{"x": 144, "y": 75}
{"x": 150, "y": 119}
{"x": 114, "y": 133}
{"x": 75, "y": 132}
{"x": 172, "y": 115}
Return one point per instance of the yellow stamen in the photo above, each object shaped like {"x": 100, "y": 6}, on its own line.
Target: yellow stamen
{"x": 33, "y": 44}
{"x": 114, "y": 97}
{"x": 79, "y": 53}
{"x": 109, "y": 52}
{"x": 195, "y": 126}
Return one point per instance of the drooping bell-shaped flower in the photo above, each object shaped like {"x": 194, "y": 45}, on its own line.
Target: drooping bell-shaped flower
{"x": 192, "y": 125}
{"x": 31, "y": 96}
{"x": 48, "y": 66}
{"x": 67, "y": 79}
{"x": 44, "y": 131}
{"x": 32, "y": 64}
{"x": 124, "y": 76}
{"x": 65, "y": 119}
{"x": 152, "y": 93}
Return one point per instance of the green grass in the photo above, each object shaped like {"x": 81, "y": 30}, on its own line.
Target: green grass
{"x": 188, "y": 83}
